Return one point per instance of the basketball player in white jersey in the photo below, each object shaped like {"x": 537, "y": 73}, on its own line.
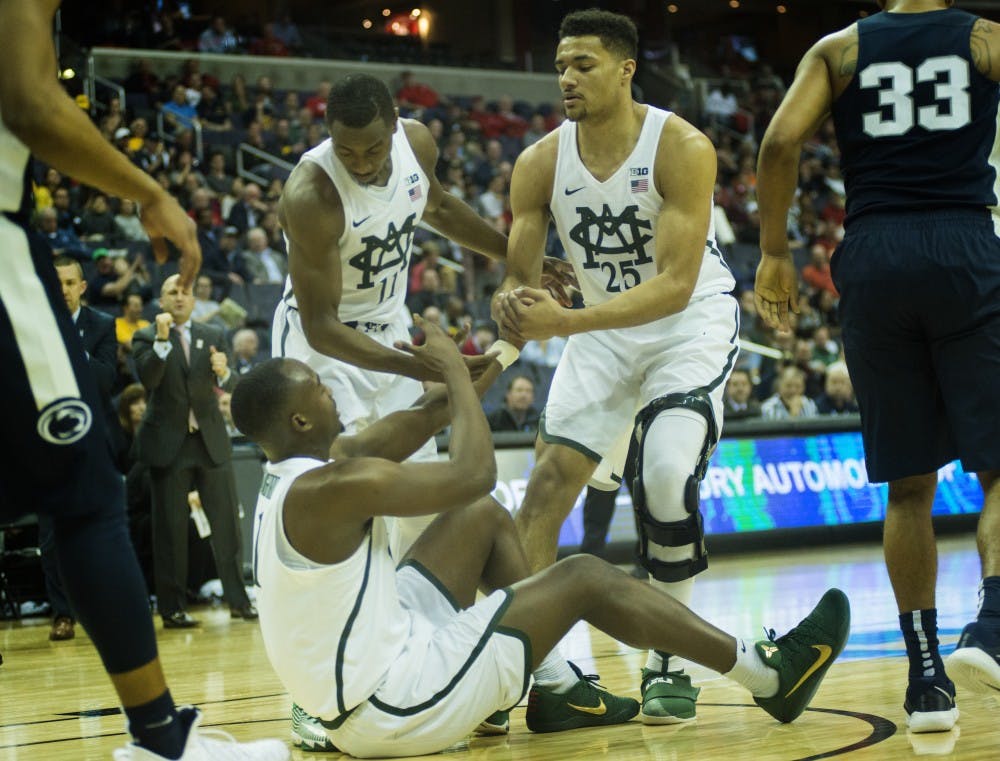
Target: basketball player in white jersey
{"x": 401, "y": 661}
{"x": 630, "y": 190}
{"x": 349, "y": 211}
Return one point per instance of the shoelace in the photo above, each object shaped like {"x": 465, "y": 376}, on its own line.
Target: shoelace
{"x": 590, "y": 678}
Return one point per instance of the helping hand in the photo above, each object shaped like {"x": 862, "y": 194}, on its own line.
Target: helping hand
{"x": 559, "y": 279}
{"x": 531, "y": 314}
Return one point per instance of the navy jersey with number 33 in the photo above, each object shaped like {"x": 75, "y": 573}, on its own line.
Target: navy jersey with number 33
{"x": 917, "y": 125}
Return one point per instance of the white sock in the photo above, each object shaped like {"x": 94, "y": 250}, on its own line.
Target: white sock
{"x": 682, "y": 591}
{"x": 554, "y": 674}
{"x": 751, "y": 671}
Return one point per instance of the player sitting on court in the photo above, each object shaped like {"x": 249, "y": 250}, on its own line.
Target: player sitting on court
{"x": 398, "y": 659}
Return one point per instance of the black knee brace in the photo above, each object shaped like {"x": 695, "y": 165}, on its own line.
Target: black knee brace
{"x": 690, "y": 530}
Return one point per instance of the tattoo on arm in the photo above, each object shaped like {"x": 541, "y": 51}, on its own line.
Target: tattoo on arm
{"x": 979, "y": 46}
{"x": 848, "y": 60}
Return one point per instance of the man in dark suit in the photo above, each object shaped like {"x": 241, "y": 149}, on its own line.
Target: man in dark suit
{"x": 97, "y": 331}
{"x": 183, "y": 439}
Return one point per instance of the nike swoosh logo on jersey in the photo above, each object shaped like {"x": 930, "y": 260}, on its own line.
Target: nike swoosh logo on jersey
{"x": 825, "y": 652}
{"x": 574, "y": 190}
{"x": 360, "y": 221}
{"x": 599, "y": 710}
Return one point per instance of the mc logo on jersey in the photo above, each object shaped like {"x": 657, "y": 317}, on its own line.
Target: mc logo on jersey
{"x": 65, "y": 421}
{"x": 622, "y": 236}
{"x": 381, "y": 254}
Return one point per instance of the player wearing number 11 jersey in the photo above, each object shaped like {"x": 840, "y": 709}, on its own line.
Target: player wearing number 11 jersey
{"x": 630, "y": 190}
{"x": 914, "y": 97}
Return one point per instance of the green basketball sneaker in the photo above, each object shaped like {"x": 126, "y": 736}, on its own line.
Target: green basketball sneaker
{"x": 308, "y": 733}
{"x": 587, "y": 704}
{"x": 803, "y": 656}
{"x": 497, "y": 723}
{"x": 667, "y": 697}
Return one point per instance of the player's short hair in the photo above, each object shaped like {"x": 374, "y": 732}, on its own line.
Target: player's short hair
{"x": 617, "y": 33}
{"x": 355, "y": 101}
{"x": 260, "y": 397}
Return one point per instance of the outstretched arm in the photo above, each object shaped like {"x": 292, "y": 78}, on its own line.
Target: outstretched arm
{"x": 450, "y": 216}
{"x": 803, "y": 109}
{"x": 332, "y": 504}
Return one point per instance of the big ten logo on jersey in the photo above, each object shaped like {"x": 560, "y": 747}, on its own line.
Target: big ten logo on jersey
{"x": 413, "y": 187}
{"x": 639, "y": 179}
{"x": 389, "y": 256}
{"x": 934, "y": 96}
{"x": 613, "y": 243}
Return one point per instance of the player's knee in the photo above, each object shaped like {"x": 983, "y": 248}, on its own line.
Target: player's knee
{"x": 913, "y": 493}
{"x": 488, "y": 512}
{"x": 583, "y": 575}
{"x": 666, "y": 487}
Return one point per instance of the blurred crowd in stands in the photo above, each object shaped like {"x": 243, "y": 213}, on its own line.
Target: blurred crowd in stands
{"x": 186, "y": 129}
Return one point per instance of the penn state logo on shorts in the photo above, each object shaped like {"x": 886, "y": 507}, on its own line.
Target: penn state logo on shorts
{"x": 65, "y": 421}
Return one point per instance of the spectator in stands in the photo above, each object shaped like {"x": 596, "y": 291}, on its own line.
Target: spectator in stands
{"x": 316, "y": 133}
{"x": 246, "y": 351}
{"x": 536, "y": 130}
{"x": 218, "y": 38}
{"x": 202, "y": 201}
{"x": 738, "y": 402}
{"x": 264, "y": 263}
{"x": 186, "y": 166}
{"x": 838, "y": 397}
{"x": 122, "y": 139}
{"x": 128, "y": 228}
{"x": 288, "y": 32}
{"x": 229, "y": 244}
{"x": 218, "y": 180}
{"x": 247, "y": 212}
{"x": 283, "y": 145}
{"x": 721, "y": 104}
{"x": 812, "y": 369}
{"x": 429, "y": 294}
{"x": 130, "y": 320}
{"x": 514, "y": 125}
{"x": 206, "y": 309}
{"x": 237, "y": 102}
{"x": 316, "y": 103}
{"x": 142, "y": 79}
{"x": 62, "y": 241}
{"x": 67, "y": 216}
{"x": 107, "y": 287}
{"x": 825, "y": 349}
{"x": 518, "y": 412}
{"x": 178, "y": 114}
{"x": 415, "y": 95}
{"x": 226, "y": 408}
{"x": 484, "y": 335}
{"x": 138, "y": 494}
{"x": 790, "y": 400}
{"x": 493, "y": 202}
{"x": 270, "y": 224}
{"x": 489, "y": 167}
{"x": 816, "y": 274}
{"x": 212, "y": 112}
{"x": 153, "y": 157}
{"x": 268, "y": 44}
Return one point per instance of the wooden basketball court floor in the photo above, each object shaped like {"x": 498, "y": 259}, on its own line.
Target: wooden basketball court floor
{"x": 56, "y": 704}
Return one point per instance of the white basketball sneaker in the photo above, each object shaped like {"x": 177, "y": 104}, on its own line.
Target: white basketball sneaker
{"x": 210, "y": 745}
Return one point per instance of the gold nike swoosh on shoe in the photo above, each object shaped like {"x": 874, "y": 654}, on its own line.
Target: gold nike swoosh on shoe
{"x": 825, "y": 651}
{"x": 599, "y": 710}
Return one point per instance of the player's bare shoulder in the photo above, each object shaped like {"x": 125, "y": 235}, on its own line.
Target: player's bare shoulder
{"x": 984, "y": 45}
{"x": 683, "y": 148}
{"x": 535, "y": 170}
{"x": 309, "y": 194}
{"x": 421, "y": 141}
{"x": 840, "y": 52}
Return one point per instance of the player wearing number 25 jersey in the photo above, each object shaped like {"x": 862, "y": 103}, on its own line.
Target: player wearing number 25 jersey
{"x": 914, "y": 97}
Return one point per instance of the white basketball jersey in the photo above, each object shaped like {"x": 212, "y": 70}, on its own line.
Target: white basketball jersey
{"x": 609, "y": 228}
{"x": 379, "y": 223}
{"x": 13, "y": 159}
{"x": 331, "y": 632}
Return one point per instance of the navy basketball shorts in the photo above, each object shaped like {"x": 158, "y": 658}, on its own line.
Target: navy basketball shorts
{"x": 55, "y": 457}
{"x": 920, "y": 312}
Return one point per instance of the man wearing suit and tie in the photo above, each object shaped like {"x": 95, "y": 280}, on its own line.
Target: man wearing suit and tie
{"x": 183, "y": 439}
{"x": 97, "y": 331}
